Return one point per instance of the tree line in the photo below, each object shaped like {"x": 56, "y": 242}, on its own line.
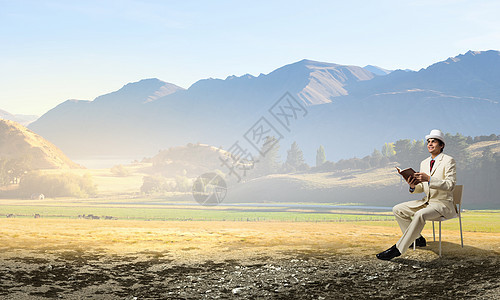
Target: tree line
{"x": 405, "y": 152}
{"x": 11, "y": 170}
{"x": 17, "y": 171}
{"x": 478, "y": 171}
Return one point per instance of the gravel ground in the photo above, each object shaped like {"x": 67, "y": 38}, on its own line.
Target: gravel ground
{"x": 292, "y": 275}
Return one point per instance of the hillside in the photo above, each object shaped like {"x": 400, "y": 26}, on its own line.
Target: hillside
{"x": 18, "y": 142}
{"x": 477, "y": 148}
{"x": 370, "y": 187}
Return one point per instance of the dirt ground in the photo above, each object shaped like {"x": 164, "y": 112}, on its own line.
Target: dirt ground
{"x": 84, "y": 259}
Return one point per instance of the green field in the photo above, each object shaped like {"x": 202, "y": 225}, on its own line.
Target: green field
{"x": 473, "y": 220}
{"x": 141, "y": 212}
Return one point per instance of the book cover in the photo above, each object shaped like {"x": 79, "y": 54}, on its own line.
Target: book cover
{"x": 406, "y": 173}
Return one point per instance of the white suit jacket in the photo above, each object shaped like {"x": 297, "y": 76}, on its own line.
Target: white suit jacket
{"x": 439, "y": 193}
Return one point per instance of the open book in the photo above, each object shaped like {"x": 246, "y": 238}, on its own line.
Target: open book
{"x": 406, "y": 173}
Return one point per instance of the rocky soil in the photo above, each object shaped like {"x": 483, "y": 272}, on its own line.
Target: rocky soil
{"x": 293, "y": 275}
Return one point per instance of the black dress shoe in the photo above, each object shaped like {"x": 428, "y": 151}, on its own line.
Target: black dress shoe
{"x": 420, "y": 242}
{"x": 389, "y": 253}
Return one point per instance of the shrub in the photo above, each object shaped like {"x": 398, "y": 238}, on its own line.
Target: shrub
{"x": 159, "y": 184}
{"x": 183, "y": 184}
{"x": 57, "y": 185}
{"x": 153, "y": 184}
{"x": 120, "y": 170}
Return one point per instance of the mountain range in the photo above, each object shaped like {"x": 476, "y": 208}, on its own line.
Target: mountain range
{"x": 349, "y": 110}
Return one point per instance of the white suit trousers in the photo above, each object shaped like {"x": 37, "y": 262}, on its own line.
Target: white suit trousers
{"x": 411, "y": 220}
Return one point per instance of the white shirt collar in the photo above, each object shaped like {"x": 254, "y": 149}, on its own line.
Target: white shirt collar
{"x": 436, "y": 156}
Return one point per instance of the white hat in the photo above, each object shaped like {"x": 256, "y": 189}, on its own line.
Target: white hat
{"x": 435, "y": 134}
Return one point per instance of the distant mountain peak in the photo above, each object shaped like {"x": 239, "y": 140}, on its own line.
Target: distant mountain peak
{"x": 316, "y": 82}
{"x": 313, "y": 64}
{"x": 245, "y": 76}
{"x": 147, "y": 81}
{"x": 475, "y": 52}
{"x": 377, "y": 70}
{"x": 470, "y": 52}
{"x": 310, "y": 62}
{"x": 24, "y": 120}
{"x": 328, "y": 80}
{"x": 471, "y": 55}
{"x": 140, "y": 92}
{"x": 152, "y": 83}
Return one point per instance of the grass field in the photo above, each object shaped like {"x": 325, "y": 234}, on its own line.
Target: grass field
{"x": 197, "y": 239}
{"x": 473, "y": 220}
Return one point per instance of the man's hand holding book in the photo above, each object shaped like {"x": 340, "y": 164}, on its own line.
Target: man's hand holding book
{"x": 413, "y": 178}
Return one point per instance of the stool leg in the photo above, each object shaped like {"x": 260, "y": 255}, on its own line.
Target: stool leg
{"x": 439, "y": 238}
{"x": 461, "y": 235}
{"x": 433, "y": 231}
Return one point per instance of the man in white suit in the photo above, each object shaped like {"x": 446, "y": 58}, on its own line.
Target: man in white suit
{"x": 436, "y": 179}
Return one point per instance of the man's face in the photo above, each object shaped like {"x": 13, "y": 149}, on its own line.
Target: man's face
{"x": 434, "y": 147}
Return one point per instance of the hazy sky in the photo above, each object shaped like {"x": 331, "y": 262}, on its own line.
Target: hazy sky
{"x": 51, "y": 51}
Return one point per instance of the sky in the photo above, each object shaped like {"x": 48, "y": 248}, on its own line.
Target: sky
{"x": 52, "y": 51}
